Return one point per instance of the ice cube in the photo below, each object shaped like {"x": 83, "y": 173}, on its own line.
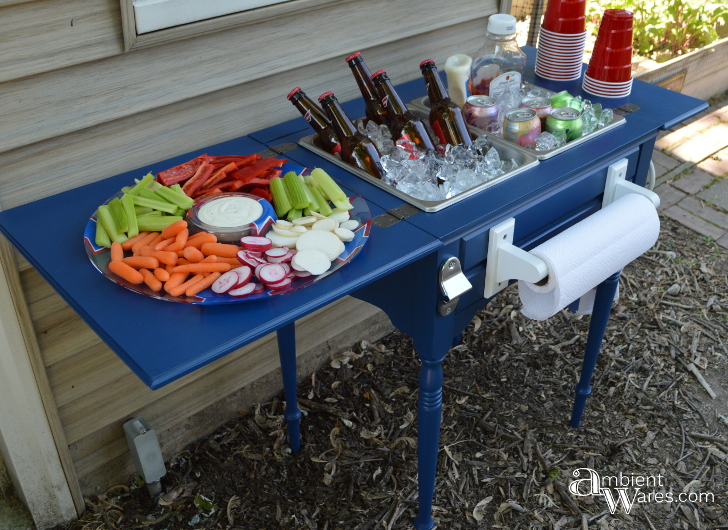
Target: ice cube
{"x": 560, "y": 138}
{"x": 546, "y": 142}
{"x": 605, "y": 118}
{"x": 589, "y": 121}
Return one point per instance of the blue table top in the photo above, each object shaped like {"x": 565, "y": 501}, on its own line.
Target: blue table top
{"x": 162, "y": 341}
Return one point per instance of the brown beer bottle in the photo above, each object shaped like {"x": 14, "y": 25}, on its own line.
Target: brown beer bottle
{"x": 316, "y": 119}
{"x": 446, "y": 117}
{"x": 363, "y": 76}
{"x": 402, "y": 123}
{"x": 356, "y": 149}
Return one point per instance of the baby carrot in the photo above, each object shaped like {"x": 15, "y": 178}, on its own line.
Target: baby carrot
{"x": 180, "y": 261}
{"x": 153, "y": 242}
{"x": 180, "y": 289}
{"x": 220, "y": 249}
{"x": 161, "y": 274}
{"x": 193, "y": 255}
{"x": 117, "y": 253}
{"x": 125, "y": 271}
{"x": 126, "y": 245}
{"x": 140, "y": 262}
{"x": 200, "y": 239}
{"x": 202, "y": 267}
{"x": 174, "y": 229}
{"x": 152, "y": 281}
{"x": 144, "y": 241}
{"x": 202, "y": 285}
{"x": 212, "y": 258}
{"x": 168, "y": 258}
{"x": 232, "y": 261}
{"x": 164, "y": 243}
{"x": 180, "y": 240}
{"x": 175, "y": 279}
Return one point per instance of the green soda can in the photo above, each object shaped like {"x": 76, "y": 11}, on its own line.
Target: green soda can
{"x": 561, "y": 99}
{"x": 565, "y": 119}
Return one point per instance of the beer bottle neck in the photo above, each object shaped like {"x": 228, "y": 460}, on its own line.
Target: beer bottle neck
{"x": 390, "y": 99}
{"x": 363, "y": 78}
{"x": 435, "y": 88}
{"x": 311, "y": 112}
{"x": 342, "y": 124}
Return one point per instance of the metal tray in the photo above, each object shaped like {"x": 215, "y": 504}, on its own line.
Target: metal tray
{"x": 423, "y": 104}
{"x": 524, "y": 160}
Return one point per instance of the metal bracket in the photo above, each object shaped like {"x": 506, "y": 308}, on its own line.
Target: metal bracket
{"x": 508, "y": 262}
{"x": 278, "y": 149}
{"x": 453, "y": 283}
{"x": 395, "y": 215}
{"x": 627, "y": 108}
{"x": 617, "y": 186}
{"x": 145, "y": 451}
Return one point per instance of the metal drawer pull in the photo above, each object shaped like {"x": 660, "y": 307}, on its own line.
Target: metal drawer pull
{"x": 453, "y": 283}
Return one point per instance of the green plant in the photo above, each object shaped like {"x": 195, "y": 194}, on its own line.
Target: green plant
{"x": 673, "y": 27}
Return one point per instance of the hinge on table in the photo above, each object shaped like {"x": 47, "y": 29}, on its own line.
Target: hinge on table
{"x": 395, "y": 215}
{"x": 627, "y": 108}
{"x": 278, "y": 149}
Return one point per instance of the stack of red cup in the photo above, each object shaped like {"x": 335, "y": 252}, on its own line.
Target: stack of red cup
{"x": 561, "y": 40}
{"x": 609, "y": 73}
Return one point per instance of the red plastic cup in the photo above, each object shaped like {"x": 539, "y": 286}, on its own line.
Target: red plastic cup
{"x": 612, "y": 74}
{"x": 615, "y": 29}
{"x": 565, "y": 16}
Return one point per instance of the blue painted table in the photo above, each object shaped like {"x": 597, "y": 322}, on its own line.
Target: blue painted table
{"x": 397, "y": 270}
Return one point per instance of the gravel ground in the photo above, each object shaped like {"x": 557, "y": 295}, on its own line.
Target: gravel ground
{"x": 507, "y": 453}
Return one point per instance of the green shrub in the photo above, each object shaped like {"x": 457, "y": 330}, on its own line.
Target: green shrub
{"x": 663, "y": 30}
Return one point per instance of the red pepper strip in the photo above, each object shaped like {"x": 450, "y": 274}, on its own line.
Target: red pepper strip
{"x": 219, "y": 175}
{"x": 236, "y": 185}
{"x": 271, "y": 174}
{"x": 261, "y": 192}
{"x": 256, "y": 183}
{"x": 207, "y": 193}
{"x": 182, "y": 172}
{"x": 255, "y": 170}
{"x": 240, "y": 161}
{"x": 203, "y": 173}
{"x": 226, "y": 185}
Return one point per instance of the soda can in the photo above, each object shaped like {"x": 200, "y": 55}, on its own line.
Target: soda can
{"x": 480, "y": 111}
{"x": 565, "y": 119}
{"x": 522, "y": 126}
{"x": 542, "y": 106}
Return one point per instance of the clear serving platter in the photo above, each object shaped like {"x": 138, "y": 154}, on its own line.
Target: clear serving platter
{"x": 523, "y": 159}
{"x": 423, "y": 104}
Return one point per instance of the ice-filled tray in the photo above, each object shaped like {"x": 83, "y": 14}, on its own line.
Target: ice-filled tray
{"x": 423, "y": 104}
{"x": 524, "y": 161}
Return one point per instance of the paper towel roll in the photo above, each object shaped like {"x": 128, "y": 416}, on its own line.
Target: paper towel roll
{"x": 586, "y": 254}
{"x": 585, "y": 305}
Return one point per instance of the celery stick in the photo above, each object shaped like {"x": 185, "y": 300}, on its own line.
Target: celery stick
{"x": 118, "y": 215}
{"x": 153, "y": 213}
{"x": 128, "y": 204}
{"x": 281, "y": 202}
{"x": 142, "y": 184}
{"x": 104, "y": 215}
{"x": 177, "y": 188}
{"x": 181, "y": 200}
{"x": 294, "y": 214}
{"x": 343, "y": 205}
{"x": 102, "y": 238}
{"x": 138, "y": 210}
{"x": 312, "y": 202}
{"x": 157, "y": 205}
{"x": 126, "y": 189}
{"x": 153, "y": 186}
{"x": 324, "y": 208}
{"x": 330, "y": 188}
{"x": 310, "y": 181}
{"x": 149, "y": 194}
{"x": 181, "y": 212}
{"x": 295, "y": 191}
{"x": 157, "y": 224}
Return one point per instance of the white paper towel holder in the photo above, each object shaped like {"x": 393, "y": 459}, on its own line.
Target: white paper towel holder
{"x": 505, "y": 261}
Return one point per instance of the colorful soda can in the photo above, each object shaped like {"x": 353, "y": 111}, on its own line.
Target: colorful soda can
{"x": 522, "y": 126}
{"x": 542, "y": 106}
{"x": 480, "y": 111}
{"x": 565, "y": 119}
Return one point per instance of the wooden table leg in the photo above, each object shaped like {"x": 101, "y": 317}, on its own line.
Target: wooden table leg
{"x": 287, "y": 353}
{"x": 598, "y": 325}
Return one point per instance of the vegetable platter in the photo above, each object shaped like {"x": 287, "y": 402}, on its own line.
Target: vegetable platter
{"x": 358, "y": 226}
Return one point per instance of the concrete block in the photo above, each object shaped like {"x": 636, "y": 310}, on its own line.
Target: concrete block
{"x": 717, "y": 163}
{"x": 696, "y": 148}
{"x": 704, "y": 211}
{"x": 693, "y": 222}
{"x": 663, "y": 163}
{"x": 693, "y": 182}
{"x": 717, "y": 194}
{"x": 668, "y": 196}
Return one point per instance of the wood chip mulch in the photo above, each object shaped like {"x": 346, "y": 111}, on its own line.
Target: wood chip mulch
{"x": 507, "y": 452}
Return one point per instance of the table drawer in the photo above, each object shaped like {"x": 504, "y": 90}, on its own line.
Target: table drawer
{"x": 546, "y": 216}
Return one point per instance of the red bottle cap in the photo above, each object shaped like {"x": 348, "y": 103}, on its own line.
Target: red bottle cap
{"x": 322, "y": 96}
{"x": 355, "y": 54}
{"x": 379, "y": 72}
{"x": 290, "y": 94}
{"x": 426, "y": 61}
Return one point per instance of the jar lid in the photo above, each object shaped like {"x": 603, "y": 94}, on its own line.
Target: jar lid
{"x": 355, "y": 54}
{"x": 502, "y": 24}
{"x": 290, "y": 94}
{"x": 378, "y": 72}
{"x": 427, "y": 61}
{"x": 322, "y": 96}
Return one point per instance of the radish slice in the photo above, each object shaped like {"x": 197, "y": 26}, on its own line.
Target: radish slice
{"x": 287, "y": 267}
{"x": 271, "y": 273}
{"x": 257, "y": 270}
{"x": 351, "y": 224}
{"x": 225, "y": 283}
{"x": 245, "y": 273}
{"x": 276, "y": 252}
{"x": 311, "y": 260}
{"x": 245, "y": 290}
{"x": 246, "y": 258}
{"x": 282, "y": 259}
{"x": 255, "y": 254}
{"x": 302, "y": 274}
{"x": 259, "y": 288}
{"x": 256, "y": 244}
{"x": 280, "y": 285}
